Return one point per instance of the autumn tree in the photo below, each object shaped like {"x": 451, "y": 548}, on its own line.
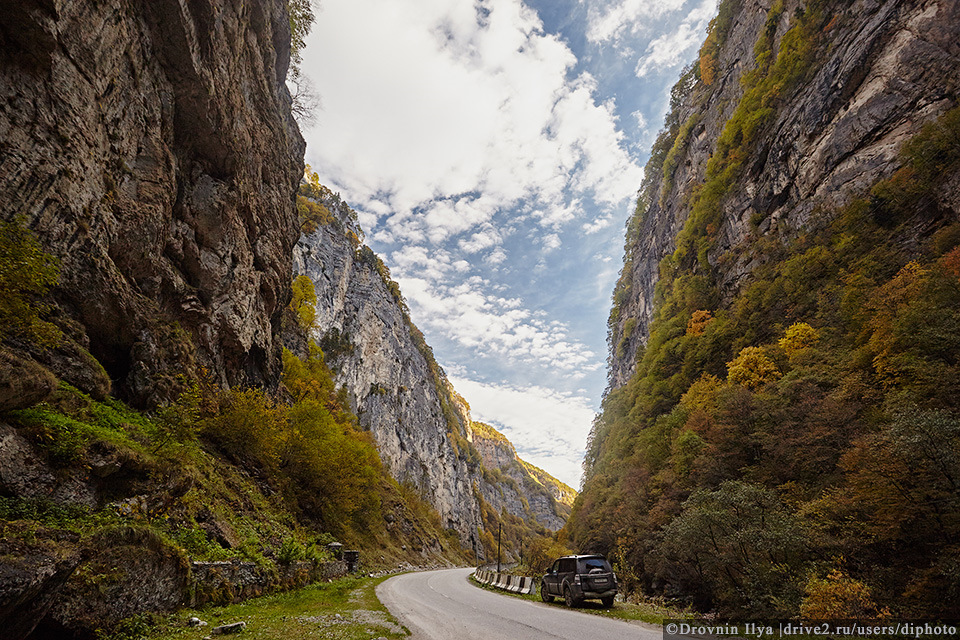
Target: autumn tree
{"x": 304, "y": 302}
{"x": 837, "y": 596}
{"x": 797, "y": 337}
{"x": 752, "y": 368}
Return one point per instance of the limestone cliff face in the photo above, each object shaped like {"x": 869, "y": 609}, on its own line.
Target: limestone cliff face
{"x": 400, "y": 396}
{"x": 518, "y": 487}
{"x": 881, "y": 70}
{"x": 421, "y": 426}
{"x": 149, "y": 146}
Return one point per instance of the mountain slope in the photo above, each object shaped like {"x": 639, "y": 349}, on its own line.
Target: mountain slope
{"x": 398, "y": 391}
{"x": 421, "y": 426}
{"x": 782, "y": 350}
{"x": 526, "y": 491}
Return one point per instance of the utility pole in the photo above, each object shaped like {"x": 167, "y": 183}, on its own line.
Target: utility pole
{"x": 499, "y": 532}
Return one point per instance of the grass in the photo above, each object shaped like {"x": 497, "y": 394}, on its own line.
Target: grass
{"x": 650, "y": 612}
{"x": 345, "y": 609}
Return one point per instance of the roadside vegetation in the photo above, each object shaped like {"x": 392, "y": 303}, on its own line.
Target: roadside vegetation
{"x": 344, "y": 609}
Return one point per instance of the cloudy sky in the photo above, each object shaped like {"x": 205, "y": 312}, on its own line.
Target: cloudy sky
{"x": 493, "y": 150}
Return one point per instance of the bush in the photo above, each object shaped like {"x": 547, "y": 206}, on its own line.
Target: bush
{"x": 250, "y": 427}
{"x": 752, "y": 368}
{"x": 738, "y": 547}
{"x": 26, "y": 275}
{"x": 838, "y": 597}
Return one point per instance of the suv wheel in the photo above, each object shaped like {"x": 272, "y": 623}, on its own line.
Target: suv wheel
{"x": 546, "y": 597}
{"x": 607, "y": 602}
{"x": 568, "y": 597}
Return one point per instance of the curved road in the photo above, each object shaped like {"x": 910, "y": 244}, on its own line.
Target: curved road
{"x": 444, "y": 605}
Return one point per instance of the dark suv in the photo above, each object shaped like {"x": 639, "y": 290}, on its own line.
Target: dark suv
{"x": 578, "y": 578}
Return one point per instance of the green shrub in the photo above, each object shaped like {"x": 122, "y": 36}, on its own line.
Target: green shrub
{"x": 26, "y": 275}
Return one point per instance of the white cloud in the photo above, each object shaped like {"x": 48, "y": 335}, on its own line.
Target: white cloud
{"x": 671, "y": 49}
{"x": 626, "y": 17}
{"x": 641, "y": 119}
{"x": 485, "y": 323}
{"x": 666, "y": 51}
{"x": 598, "y": 224}
{"x": 426, "y": 104}
{"x": 481, "y": 240}
{"x": 548, "y": 428}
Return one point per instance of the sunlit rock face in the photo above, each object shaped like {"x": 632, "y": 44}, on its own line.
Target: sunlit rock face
{"x": 421, "y": 427}
{"x": 372, "y": 350}
{"x": 150, "y": 147}
{"x": 521, "y": 489}
{"x": 889, "y": 67}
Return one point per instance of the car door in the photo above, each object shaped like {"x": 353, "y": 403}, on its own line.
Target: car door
{"x": 551, "y": 579}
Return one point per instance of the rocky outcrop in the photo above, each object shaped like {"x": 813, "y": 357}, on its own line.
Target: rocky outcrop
{"x": 33, "y": 574}
{"x": 158, "y": 161}
{"x": 23, "y": 382}
{"x": 881, "y": 70}
{"x": 399, "y": 393}
{"x": 111, "y": 584}
{"x": 518, "y": 487}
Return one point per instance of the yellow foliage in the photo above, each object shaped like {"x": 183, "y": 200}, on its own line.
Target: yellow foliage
{"x": 708, "y": 57}
{"x": 702, "y": 394}
{"x": 752, "y": 368}
{"x": 708, "y": 69}
{"x": 304, "y": 302}
{"x": 838, "y": 597}
{"x": 250, "y": 424}
{"x": 798, "y": 336}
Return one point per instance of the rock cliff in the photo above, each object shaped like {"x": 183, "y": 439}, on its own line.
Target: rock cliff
{"x": 150, "y": 148}
{"x": 877, "y": 72}
{"x": 518, "y": 487}
{"x": 421, "y": 426}
{"x": 399, "y": 393}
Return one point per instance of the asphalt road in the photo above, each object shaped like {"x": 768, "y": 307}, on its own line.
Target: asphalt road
{"x": 444, "y": 605}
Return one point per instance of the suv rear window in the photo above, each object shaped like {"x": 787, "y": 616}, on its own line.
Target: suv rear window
{"x": 588, "y": 564}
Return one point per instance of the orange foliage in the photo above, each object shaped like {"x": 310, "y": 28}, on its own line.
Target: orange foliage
{"x": 698, "y": 322}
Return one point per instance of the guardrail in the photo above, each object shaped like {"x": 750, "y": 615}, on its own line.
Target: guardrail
{"x": 514, "y": 584}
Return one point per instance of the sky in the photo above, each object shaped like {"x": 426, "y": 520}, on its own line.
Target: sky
{"x": 493, "y": 150}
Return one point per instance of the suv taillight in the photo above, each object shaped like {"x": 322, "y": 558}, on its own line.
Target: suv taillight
{"x": 576, "y": 579}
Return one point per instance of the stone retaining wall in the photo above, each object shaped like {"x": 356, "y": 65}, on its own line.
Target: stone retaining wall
{"x": 229, "y": 582}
